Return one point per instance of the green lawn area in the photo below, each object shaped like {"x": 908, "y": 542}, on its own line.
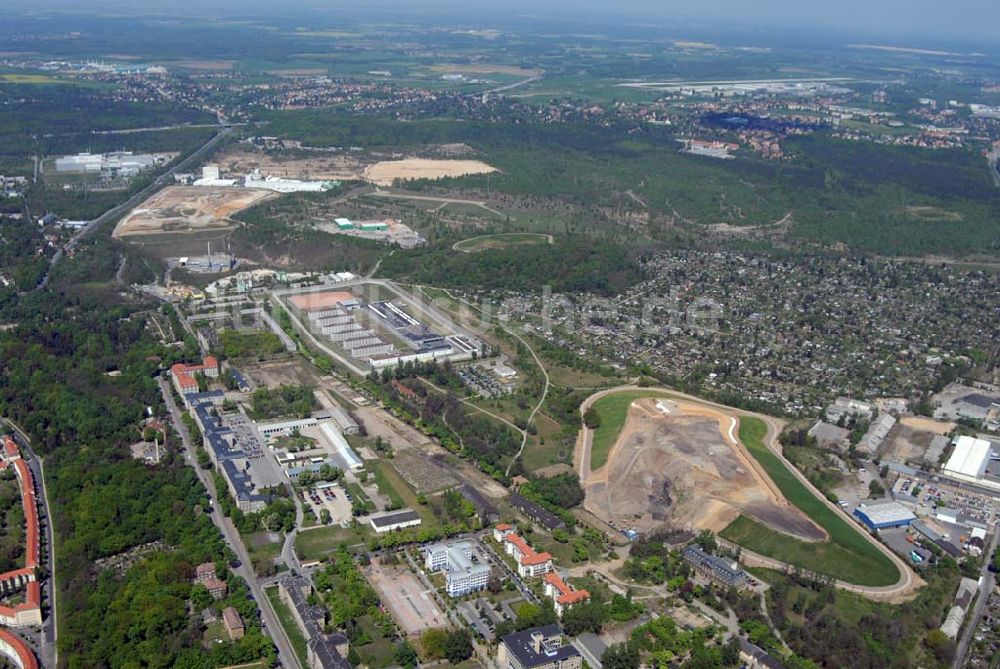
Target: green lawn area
{"x": 381, "y": 651}
{"x": 393, "y": 486}
{"x": 613, "y": 410}
{"x": 317, "y": 544}
{"x": 215, "y": 632}
{"x": 538, "y": 455}
{"x": 259, "y": 664}
{"x": 499, "y": 240}
{"x": 847, "y": 555}
{"x": 292, "y": 630}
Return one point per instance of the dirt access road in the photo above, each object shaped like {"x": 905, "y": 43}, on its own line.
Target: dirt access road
{"x": 903, "y": 590}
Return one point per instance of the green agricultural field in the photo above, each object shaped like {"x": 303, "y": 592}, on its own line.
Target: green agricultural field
{"x": 847, "y": 556}
{"x": 613, "y": 410}
{"x": 500, "y": 241}
{"x": 292, "y": 629}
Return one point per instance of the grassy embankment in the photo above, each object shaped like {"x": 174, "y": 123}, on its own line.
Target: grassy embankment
{"x": 847, "y": 555}
{"x": 613, "y": 410}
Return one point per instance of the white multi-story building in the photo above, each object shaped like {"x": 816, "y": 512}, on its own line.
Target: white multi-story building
{"x": 463, "y": 575}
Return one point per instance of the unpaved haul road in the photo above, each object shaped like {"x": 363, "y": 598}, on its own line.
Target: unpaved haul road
{"x": 903, "y": 590}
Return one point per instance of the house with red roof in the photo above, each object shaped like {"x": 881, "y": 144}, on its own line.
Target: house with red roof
{"x": 29, "y": 611}
{"x": 563, "y": 594}
{"x": 530, "y": 563}
{"x": 184, "y": 375}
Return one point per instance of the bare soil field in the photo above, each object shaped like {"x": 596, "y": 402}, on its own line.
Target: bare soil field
{"x": 327, "y": 299}
{"x": 907, "y": 444}
{"x": 386, "y": 172}
{"x": 411, "y": 604}
{"x": 189, "y": 209}
{"x": 679, "y": 463}
{"x": 927, "y": 424}
{"x": 320, "y": 167}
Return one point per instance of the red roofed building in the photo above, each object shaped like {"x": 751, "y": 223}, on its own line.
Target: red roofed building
{"x": 562, "y": 593}
{"x": 216, "y": 588}
{"x": 403, "y": 390}
{"x": 204, "y": 572}
{"x": 17, "y": 651}
{"x": 530, "y": 563}
{"x": 233, "y": 623}
{"x": 184, "y": 375}
{"x": 10, "y": 450}
{"x": 501, "y": 531}
{"x": 29, "y": 612}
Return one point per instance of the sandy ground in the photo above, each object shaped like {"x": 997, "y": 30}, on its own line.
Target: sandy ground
{"x": 387, "y": 171}
{"x": 189, "y": 209}
{"x": 680, "y": 463}
{"x": 410, "y": 603}
{"x": 924, "y": 424}
{"x": 320, "y": 167}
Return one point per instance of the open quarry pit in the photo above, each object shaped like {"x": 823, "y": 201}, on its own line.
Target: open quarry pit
{"x": 679, "y": 463}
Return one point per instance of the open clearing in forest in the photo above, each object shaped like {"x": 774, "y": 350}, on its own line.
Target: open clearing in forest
{"x": 384, "y": 173}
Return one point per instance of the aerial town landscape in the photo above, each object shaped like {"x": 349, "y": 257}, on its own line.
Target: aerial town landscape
{"x": 537, "y": 336}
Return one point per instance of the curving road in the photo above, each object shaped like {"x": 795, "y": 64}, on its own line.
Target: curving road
{"x": 903, "y": 590}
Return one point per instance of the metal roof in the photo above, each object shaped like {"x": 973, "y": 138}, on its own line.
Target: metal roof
{"x": 970, "y": 457}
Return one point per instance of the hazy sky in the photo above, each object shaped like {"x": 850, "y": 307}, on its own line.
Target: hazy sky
{"x": 892, "y": 20}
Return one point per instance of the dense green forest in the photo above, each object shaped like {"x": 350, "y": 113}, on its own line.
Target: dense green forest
{"x": 886, "y": 199}
{"x": 47, "y": 111}
{"x": 442, "y": 415}
{"x": 55, "y": 386}
{"x": 571, "y": 264}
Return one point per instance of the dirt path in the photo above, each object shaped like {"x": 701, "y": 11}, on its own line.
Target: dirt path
{"x": 903, "y": 590}
{"x": 454, "y": 247}
{"x": 443, "y": 200}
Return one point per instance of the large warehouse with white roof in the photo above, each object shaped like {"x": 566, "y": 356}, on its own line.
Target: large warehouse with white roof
{"x": 969, "y": 459}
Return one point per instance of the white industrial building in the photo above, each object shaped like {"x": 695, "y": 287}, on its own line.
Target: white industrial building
{"x": 394, "y": 520}
{"x": 284, "y": 427}
{"x": 876, "y": 433}
{"x": 969, "y": 459}
{"x": 123, "y": 163}
{"x": 344, "y": 449}
{"x": 280, "y": 185}
{"x": 847, "y": 407}
{"x": 455, "y": 559}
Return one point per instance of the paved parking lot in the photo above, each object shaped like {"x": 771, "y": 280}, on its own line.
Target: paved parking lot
{"x": 895, "y": 539}
{"x": 329, "y": 496}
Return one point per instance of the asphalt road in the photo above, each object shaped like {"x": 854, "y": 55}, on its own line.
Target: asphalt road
{"x": 286, "y": 653}
{"x": 129, "y": 204}
{"x": 986, "y": 583}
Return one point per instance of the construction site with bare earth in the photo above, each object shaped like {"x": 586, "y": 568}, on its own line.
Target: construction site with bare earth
{"x": 189, "y": 209}
{"x": 655, "y": 460}
{"x": 679, "y": 463}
